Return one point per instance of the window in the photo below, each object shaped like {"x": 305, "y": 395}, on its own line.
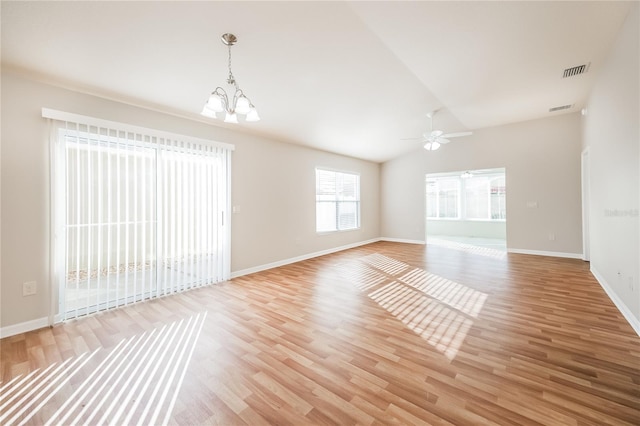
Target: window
{"x": 498, "y": 197}
{"x": 443, "y": 198}
{"x": 337, "y": 201}
{"x": 137, "y": 215}
{"x": 481, "y": 197}
{"x": 476, "y": 197}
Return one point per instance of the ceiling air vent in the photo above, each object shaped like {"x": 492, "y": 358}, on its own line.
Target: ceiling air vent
{"x": 560, "y": 108}
{"x": 580, "y": 69}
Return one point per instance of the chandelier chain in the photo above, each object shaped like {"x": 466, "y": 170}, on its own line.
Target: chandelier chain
{"x": 231, "y": 79}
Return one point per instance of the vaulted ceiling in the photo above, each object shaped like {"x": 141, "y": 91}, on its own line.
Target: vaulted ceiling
{"x": 355, "y": 78}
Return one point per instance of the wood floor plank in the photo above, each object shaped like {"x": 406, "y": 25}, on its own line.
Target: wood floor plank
{"x": 382, "y": 334}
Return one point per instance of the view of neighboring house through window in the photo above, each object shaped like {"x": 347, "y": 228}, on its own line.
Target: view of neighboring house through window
{"x": 475, "y": 197}
{"x": 337, "y": 201}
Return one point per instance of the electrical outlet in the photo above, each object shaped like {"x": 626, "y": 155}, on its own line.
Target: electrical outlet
{"x": 552, "y": 236}
{"x": 29, "y": 288}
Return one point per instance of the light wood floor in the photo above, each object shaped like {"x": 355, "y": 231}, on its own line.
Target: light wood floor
{"x": 387, "y": 333}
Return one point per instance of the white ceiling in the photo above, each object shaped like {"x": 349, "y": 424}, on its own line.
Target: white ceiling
{"x": 348, "y": 77}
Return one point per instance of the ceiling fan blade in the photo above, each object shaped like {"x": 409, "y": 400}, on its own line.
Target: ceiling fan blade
{"x": 457, "y": 135}
{"x": 411, "y": 139}
{"x": 436, "y": 134}
{"x": 443, "y": 141}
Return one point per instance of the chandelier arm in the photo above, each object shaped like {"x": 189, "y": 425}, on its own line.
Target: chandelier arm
{"x": 223, "y": 95}
{"x": 236, "y": 95}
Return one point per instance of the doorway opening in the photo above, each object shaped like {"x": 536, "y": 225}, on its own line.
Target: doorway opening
{"x": 467, "y": 208}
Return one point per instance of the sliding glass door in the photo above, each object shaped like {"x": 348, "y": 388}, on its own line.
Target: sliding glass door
{"x": 138, "y": 216}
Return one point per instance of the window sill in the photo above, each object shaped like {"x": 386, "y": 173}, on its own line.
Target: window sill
{"x": 336, "y": 231}
{"x": 443, "y": 219}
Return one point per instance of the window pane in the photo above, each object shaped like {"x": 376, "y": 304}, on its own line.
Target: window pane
{"x": 449, "y": 198}
{"x": 348, "y": 215}
{"x": 326, "y": 216}
{"x": 498, "y": 198}
{"x": 476, "y": 191}
{"x": 348, "y": 187}
{"x": 432, "y": 198}
{"x": 325, "y": 184}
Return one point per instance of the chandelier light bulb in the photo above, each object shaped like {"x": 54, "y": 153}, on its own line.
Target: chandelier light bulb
{"x": 242, "y": 105}
{"x": 215, "y": 103}
{"x": 231, "y": 117}
{"x": 252, "y": 115}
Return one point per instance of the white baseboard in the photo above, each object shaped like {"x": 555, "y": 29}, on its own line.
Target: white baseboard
{"x": 546, "y": 253}
{"x": 624, "y": 310}
{"x": 259, "y": 268}
{"x": 401, "y": 240}
{"x": 23, "y": 327}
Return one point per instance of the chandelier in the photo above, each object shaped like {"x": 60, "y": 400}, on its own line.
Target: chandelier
{"x": 220, "y": 101}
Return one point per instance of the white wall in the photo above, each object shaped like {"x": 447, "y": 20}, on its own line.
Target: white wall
{"x": 611, "y": 133}
{"x": 274, "y": 187}
{"x": 273, "y": 183}
{"x": 542, "y": 162}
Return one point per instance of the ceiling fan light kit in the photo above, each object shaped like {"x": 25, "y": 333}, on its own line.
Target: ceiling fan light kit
{"x": 431, "y": 146}
{"x": 220, "y": 101}
{"x": 435, "y": 138}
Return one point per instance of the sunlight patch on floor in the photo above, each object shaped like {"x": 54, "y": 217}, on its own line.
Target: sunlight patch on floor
{"x": 362, "y": 276}
{"x": 439, "y": 310}
{"x": 468, "y": 248}
{"x": 138, "y": 381}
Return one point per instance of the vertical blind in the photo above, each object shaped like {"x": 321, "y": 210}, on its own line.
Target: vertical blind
{"x": 136, "y": 213}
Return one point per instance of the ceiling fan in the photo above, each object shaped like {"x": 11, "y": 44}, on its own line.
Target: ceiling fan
{"x": 434, "y": 138}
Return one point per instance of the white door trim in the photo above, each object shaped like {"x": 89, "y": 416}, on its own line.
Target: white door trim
{"x": 585, "y": 171}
